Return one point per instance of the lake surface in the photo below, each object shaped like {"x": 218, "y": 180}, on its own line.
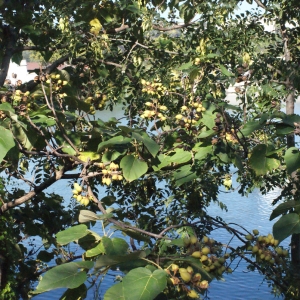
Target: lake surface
{"x": 251, "y": 212}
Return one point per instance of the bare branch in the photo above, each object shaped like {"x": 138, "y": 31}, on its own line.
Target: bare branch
{"x": 118, "y": 29}
{"x": 6, "y": 206}
{"x": 179, "y": 26}
{"x": 260, "y": 4}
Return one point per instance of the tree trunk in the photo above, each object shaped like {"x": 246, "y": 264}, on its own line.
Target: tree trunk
{"x": 8, "y": 52}
{"x": 295, "y": 241}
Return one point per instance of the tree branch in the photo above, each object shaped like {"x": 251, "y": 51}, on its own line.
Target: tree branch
{"x": 10, "y": 37}
{"x": 260, "y": 4}
{"x": 58, "y": 175}
{"x": 179, "y": 26}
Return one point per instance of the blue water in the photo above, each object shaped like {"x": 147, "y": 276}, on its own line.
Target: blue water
{"x": 251, "y": 212}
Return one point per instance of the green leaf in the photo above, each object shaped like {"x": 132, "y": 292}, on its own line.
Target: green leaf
{"x": 87, "y": 216}
{"x": 117, "y": 140}
{"x": 292, "y": 159}
{"x": 43, "y": 120}
{"x": 99, "y": 249}
{"x": 139, "y": 283}
{"x": 260, "y": 163}
{"x": 133, "y": 168}
{"x": 115, "y": 246}
{"x": 180, "y": 156}
{"x": 7, "y": 107}
{"x": 152, "y": 147}
{"x": 6, "y": 142}
{"x": 249, "y": 128}
{"x": 115, "y": 292}
{"x": 186, "y": 66}
{"x": 225, "y": 71}
{"x": 64, "y": 276}
{"x": 88, "y": 155}
{"x": 202, "y": 152}
{"x": 134, "y": 9}
{"x": 283, "y": 208}
{"x": 184, "y": 175}
{"x": 71, "y": 234}
{"x": 207, "y": 133}
{"x": 74, "y": 294}
{"x": 111, "y": 260}
{"x": 286, "y": 226}
{"x": 45, "y": 256}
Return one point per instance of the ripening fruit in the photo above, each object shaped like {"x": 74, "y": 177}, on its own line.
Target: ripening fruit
{"x": 268, "y": 257}
{"x": 57, "y": 76}
{"x": 203, "y": 284}
{"x": 108, "y": 181}
{"x": 196, "y": 254}
{"x": 163, "y": 108}
{"x": 77, "y": 187}
{"x": 193, "y": 294}
{"x": 75, "y": 192}
{"x": 186, "y": 242}
{"x": 221, "y": 260}
{"x": 185, "y": 275}
{"x": 190, "y": 269}
{"x": 285, "y": 253}
{"x": 249, "y": 237}
{"x": 115, "y": 177}
{"x": 197, "y": 277}
{"x": 254, "y": 249}
{"x": 85, "y": 201}
{"x": 205, "y": 239}
{"x": 255, "y": 232}
{"x": 205, "y": 250}
{"x": 279, "y": 250}
{"x": 79, "y": 198}
{"x": 203, "y": 258}
{"x": 194, "y": 239}
{"x": 174, "y": 267}
{"x": 178, "y": 117}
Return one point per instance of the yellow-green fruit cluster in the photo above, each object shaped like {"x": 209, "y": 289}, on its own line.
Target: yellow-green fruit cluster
{"x": 77, "y": 194}
{"x": 262, "y": 248}
{"x": 190, "y": 113}
{"x": 153, "y": 88}
{"x": 204, "y": 251}
{"x": 187, "y": 276}
{"x": 101, "y": 100}
{"x": 56, "y": 81}
{"x": 110, "y": 172}
{"x": 155, "y": 111}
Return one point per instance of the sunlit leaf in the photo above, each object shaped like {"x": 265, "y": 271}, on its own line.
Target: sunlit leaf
{"x": 286, "y": 226}
{"x": 260, "y": 163}
{"x": 284, "y": 208}
{"x": 6, "y": 142}
{"x": 132, "y": 167}
{"x": 139, "y": 283}
{"x": 64, "y": 276}
{"x": 152, "y": 147}
{"x": 71, "y": 234}
{"x": 117, "y": 140}
{"x": 292, "y": 159}
{"x": 110, "y": 260}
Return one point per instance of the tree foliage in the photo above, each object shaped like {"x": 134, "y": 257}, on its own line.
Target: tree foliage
{"x": 168, "y": 64}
